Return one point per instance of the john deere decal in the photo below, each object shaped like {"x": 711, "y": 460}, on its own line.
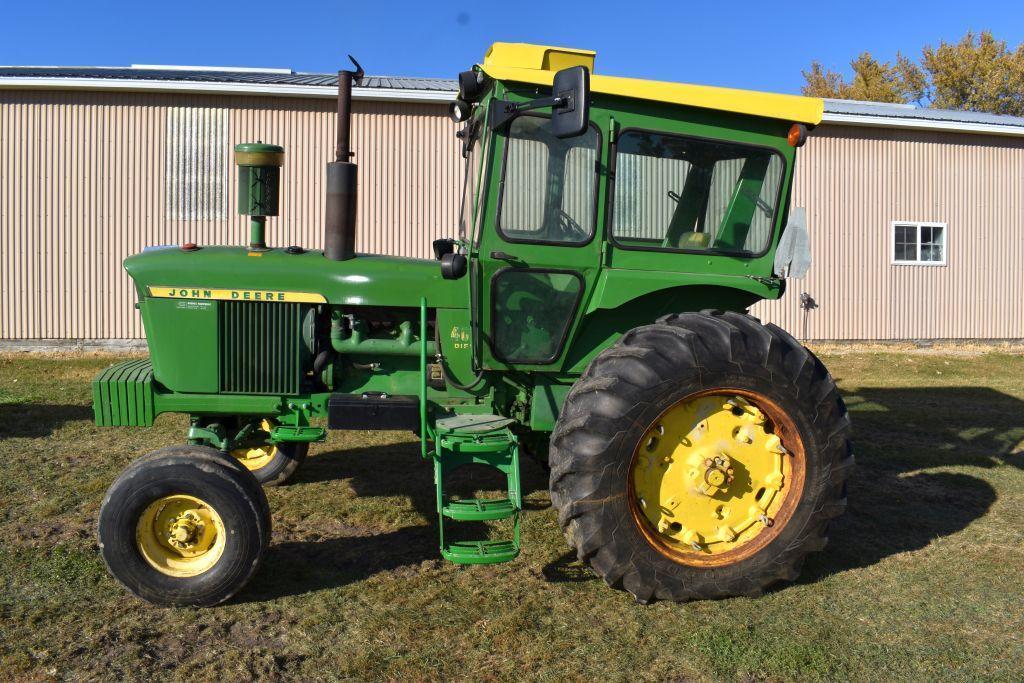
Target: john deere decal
{"x": 236, "y": 294}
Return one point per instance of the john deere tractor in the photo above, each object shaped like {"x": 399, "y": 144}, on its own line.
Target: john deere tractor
{"x": 591, "y": 311}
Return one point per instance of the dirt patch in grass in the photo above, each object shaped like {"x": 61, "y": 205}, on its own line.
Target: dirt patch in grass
{"x": 921, "y": 579}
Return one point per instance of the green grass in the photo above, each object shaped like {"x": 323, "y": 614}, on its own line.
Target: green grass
{"x": 922, "y": 578}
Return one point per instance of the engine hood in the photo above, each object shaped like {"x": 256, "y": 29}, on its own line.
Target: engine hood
{"x": 366, "y": 280}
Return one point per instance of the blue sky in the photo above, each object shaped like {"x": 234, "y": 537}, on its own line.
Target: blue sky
{"x": 761, "y": 45}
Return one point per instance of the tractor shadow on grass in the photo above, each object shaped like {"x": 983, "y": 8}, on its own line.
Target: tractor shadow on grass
{"x": 388, "y": 471}
{"x": 37, "y": 420}
{"x": 897, "y": 502}
{"x": 399, "y": 470}
{"x": 299, "y": 567}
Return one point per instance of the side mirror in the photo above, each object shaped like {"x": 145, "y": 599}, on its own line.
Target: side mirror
{"x": 569, "y": 102}
{"x": 453, "y": 266}
{"x": 571, "y": 116}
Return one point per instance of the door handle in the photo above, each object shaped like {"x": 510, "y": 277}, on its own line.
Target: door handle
{"x": 502, "y": 256}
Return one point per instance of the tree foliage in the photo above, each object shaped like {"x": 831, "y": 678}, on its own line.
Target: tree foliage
{"x": 977, "y": 73}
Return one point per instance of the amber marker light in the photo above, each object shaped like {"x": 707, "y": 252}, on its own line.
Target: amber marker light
{"x": 797, "y": 135}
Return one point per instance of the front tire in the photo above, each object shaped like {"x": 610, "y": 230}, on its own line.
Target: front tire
{"x": 700, "y": 457}
{"x": 184, "y": 526}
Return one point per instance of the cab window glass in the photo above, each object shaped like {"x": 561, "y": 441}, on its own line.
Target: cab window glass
{"x": 532, "y": 311}
{"x": 549, "y": 184}
{"x": 471, "y": 179}
{"x": 678, "y": 193}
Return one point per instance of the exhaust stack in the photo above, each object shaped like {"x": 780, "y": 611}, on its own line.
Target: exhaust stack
{"x": 342, "y": 177}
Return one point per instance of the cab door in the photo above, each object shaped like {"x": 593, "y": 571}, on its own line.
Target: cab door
{"x": 539, "y": 250}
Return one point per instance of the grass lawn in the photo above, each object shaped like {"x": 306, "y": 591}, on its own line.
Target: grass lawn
{"x": 922, "y": 579}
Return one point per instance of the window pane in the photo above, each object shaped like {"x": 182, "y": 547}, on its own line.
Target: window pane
{"x": 679, "y": 193}
{"x": 549, "y": 184}
{"x": 471, "y": 182}
{"x": 531, "y": 313}
{"x": 905, "y": 245}
{"x": 932, "y": 243}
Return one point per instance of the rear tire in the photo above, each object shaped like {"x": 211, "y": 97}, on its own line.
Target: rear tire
{"x": 184, "y": 526}
{"x": 272, "y": 464}
{"x": 622, "y": 399}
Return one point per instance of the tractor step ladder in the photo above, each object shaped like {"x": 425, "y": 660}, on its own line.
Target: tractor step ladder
{"x": 481, "y": 440}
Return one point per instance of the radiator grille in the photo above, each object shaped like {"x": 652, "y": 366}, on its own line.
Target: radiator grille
{"x": 259, "y": 347}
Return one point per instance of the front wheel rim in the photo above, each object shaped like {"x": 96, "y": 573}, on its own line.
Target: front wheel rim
{"x": 180, "y": 535}
{"x": 716, "y": 477}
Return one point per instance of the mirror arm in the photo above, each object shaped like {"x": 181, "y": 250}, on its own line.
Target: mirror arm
{"x": 540, "y": 103}
{"x": 503, "y": 111}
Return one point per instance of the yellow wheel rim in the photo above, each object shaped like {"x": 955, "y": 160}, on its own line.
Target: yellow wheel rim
{"x": 257, "y": 457}
{"x": 716, "y": 477}
{"x": 180, "y": 535}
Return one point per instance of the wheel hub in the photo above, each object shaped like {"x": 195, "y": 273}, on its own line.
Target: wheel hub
{"x": 718, "y": 473}
{"x": 709, "y": 475}
{"x": 180, "y": 535}
{"x": 185, "y": 529}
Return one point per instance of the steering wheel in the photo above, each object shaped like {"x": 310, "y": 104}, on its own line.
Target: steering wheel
{"x": 570, "y": 228}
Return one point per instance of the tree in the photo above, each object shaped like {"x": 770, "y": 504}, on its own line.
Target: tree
{"x": 977, "y": 73}
{"x": 872, "y": 80}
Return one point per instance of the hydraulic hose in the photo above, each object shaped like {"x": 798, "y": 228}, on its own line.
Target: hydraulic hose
{"x": 444, "y": 373}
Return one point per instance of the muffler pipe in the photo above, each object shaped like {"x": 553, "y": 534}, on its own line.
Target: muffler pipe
{"x": 342, "y": 177}
{"x": 340, "y": 223}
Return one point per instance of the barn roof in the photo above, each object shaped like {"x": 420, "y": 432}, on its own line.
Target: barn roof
{"x": 285, "y": 82}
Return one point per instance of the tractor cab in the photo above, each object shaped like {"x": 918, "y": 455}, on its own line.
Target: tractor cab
{"x": 594, "y": 202}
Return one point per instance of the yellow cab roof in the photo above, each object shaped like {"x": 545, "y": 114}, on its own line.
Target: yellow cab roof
{"x": 537, "y": 64}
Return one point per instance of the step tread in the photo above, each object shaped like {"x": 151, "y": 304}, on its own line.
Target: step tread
{"x": 480, "y": 509}
{"x": 291, "y": 433}
{"x": 480, "y": 552}
{"x": 472, "y": 424}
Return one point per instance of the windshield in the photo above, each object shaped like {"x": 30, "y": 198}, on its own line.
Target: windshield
{"x": 549, "y": 184}
{"x": 471, "y": 152}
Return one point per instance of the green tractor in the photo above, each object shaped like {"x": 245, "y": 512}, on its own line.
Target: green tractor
{"x": 591, "y": 312}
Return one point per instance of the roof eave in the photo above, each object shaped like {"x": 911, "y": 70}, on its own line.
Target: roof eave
{"x": 436, "y": 96}
{"x": 220, "y": 88}
{"x": 908, "y": 123}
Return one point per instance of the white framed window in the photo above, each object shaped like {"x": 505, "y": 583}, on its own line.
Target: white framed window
{"x": 918, "y": 244}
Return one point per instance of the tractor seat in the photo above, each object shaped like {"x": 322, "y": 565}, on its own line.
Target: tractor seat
{"x": 694, "y": 240}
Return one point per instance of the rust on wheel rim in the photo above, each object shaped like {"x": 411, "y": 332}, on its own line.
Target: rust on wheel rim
{"x": 716, "y": 477}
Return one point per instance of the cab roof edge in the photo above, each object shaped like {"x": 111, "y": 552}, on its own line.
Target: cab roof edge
{"x": 537, "y": 64}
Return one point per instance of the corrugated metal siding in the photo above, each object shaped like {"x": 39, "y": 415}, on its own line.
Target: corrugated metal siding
{"x": 84, "y": 183}
{"x": 855, "y": 182}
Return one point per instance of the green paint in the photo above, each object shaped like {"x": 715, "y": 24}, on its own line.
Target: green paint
{"x": 183, "y": 343}
{"x": 235, "y": 332}
{"x": 581, "y": 287}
